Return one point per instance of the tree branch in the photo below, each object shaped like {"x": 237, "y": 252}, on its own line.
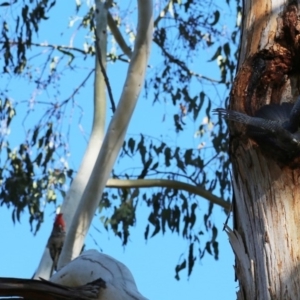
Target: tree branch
{"x": 36, "y": 289}
{"x": 72, "y": 199}
{"x": 118, "y": 35}
{"x": 163, "y": 13}
{"x": 182, "y": 64}
{"x": 114, "y": 137}
{"x": 99, "y": 56}
{"x": 174, "y": 184}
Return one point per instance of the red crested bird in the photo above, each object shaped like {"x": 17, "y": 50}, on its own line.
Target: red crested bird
{"x": 56, "y": 240}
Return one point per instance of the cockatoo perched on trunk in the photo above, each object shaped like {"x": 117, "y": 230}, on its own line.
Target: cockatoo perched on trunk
{"x": 56, "y": 240}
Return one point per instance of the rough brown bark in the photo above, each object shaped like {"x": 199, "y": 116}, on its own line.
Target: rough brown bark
{"x": 267, "y": 191}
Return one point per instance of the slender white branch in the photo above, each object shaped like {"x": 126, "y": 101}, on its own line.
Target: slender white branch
{"x": 174, "y": 184}
{"x": 118, "y": 35}
{"x": 115, "y": 135}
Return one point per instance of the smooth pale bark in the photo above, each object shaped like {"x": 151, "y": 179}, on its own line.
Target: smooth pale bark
{"x": 118, "y": 35}
{"x": 114, "y": 137}
{"x": 80, "y": 181}
{"x": 267, "y": 194}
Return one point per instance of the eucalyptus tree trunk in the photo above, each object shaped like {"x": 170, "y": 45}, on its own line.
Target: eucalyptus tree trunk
{"x": 86, "y": 190}
{"x": 266, "y": 238}
{"x": 114, "y": 137}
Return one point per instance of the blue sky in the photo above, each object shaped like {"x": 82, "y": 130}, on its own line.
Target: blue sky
{"x": 152, "y": 263}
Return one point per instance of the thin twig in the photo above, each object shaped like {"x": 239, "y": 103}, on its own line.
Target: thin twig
{"x": 77, "y": 88}
{"x": 182, "y": 65}
{"x": 163, "y": 13}
{"x": 98, "y": 53}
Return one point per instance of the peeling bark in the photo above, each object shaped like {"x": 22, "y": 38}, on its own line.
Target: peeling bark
{"x": 266, "y": 236}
